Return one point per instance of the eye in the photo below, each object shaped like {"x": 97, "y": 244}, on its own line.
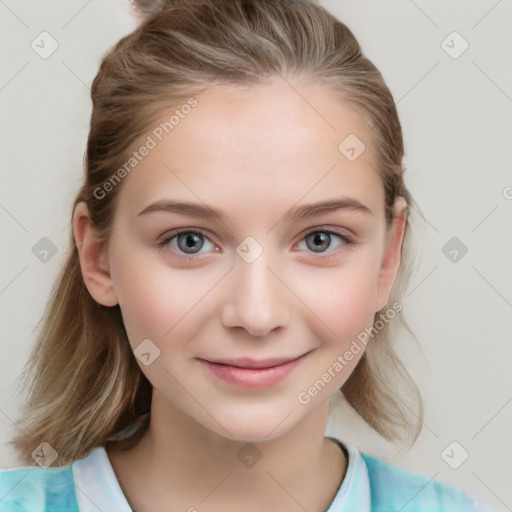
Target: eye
{"x": 320, "y": 240}
{"x": 186, "y": 242}
{"x": 189, "y": 242}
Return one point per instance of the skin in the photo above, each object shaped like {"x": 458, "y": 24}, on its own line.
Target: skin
{"x": 253, "y": 154}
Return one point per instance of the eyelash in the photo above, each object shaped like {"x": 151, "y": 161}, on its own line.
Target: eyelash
{"x": 348, "y": 241}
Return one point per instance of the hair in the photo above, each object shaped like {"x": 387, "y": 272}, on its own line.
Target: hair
{"x": 84, "y": 384}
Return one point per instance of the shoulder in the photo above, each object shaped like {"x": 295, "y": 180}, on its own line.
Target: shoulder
{"x": 394, "y": 488}
{"x": 37, "y": 489}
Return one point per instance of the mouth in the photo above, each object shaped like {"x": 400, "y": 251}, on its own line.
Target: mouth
{"x": 253, "y": 364}
{"x": 251, "y": 373}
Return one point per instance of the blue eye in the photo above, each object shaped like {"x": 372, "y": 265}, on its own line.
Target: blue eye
{"x": 322, "y": 240}
{"x": 191, "y": 242}
{"x": 188, "y": 242}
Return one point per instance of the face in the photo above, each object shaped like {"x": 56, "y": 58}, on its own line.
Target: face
{"x": 249, "y": 308}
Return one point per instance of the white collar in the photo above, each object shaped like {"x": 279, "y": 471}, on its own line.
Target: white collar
{"x": 98, "y": 489}
{"x": 96, "y": 484}
{"x": 354, "y": 492}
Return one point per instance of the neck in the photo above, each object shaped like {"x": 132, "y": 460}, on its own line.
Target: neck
{"x": 180, "y": 462}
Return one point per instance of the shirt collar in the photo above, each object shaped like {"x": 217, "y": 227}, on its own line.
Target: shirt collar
{"x": 97, "y": 486}
{"x": 354, "y": 492}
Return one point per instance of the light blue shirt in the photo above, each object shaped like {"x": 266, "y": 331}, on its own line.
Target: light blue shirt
{"x": 90, "y": 485}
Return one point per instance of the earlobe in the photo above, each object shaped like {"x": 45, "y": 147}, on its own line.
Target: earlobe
{"x": 93, "y": 258}
{"x": 392, "y": 254}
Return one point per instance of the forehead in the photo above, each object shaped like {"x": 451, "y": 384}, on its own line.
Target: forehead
{"x": 276, "y": 142}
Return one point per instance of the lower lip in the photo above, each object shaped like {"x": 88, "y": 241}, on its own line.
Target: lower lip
{"x": 252, "y": 378}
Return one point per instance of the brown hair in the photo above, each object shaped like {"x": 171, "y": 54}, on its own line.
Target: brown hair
{"x": 83, "y": 382}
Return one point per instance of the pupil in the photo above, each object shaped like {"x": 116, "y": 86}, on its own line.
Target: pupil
{"x": 191, "y": 239}
{"x": 322, "y": 239}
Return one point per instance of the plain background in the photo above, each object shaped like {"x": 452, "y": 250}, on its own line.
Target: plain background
{"x": 456, "y": 112}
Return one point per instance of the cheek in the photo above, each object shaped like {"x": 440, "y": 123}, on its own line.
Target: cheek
{"x": 343, "y": 299}
{"x": 158, "y": 301}
{"x": 155, "y": 299}
{"x": 346, "y": 308}
{"x": 349, "y": 314}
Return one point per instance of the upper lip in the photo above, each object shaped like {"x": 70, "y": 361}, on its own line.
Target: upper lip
{"x": 247, "y": 362}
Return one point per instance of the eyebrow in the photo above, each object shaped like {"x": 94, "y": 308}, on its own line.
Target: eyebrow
{"x": 295, "y": 214}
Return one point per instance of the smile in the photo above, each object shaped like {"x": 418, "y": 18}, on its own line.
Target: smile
{"x": 252, "y": 374}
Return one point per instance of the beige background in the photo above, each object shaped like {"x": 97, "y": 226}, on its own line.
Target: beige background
{"x": 456, "y": 113}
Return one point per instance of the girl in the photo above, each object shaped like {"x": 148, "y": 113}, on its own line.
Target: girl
{"x": 239, "y": 248}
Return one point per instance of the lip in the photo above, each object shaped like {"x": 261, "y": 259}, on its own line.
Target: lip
{"x": 251, "y": 373}
{"x": 248, "y": 363}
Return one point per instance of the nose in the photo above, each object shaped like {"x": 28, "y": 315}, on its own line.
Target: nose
{"x": 257, "y": 300}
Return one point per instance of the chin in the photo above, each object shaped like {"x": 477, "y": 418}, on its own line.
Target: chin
{"x": 252, "y": 427}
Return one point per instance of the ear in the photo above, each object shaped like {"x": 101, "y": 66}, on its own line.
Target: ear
{"x": 392, "y": 253}
{"x": 93, "y": 258}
